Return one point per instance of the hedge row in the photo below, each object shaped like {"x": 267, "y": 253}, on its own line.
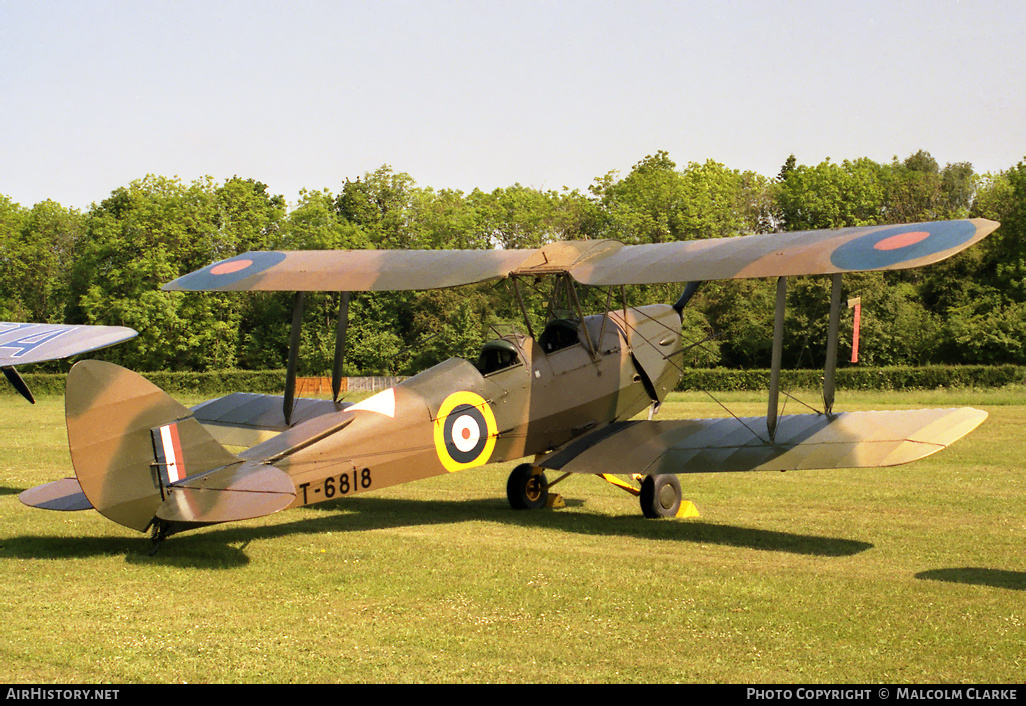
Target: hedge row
{"x": 898, "y": 378}
{"x": 204, "y": 384}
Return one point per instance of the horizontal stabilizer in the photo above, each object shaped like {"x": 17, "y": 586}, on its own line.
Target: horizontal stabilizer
{"x": 801, "y": 442}
{"x": 247, "y": 419}
{"x": 65, "y": 495}
{"x": 238, "y": 492}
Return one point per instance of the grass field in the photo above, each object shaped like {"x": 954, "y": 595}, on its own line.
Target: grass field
{"x": 911, "y": 574}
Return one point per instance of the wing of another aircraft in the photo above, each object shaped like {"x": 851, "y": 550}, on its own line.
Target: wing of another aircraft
{"x": 596, "y": 262}
{"x": 801, "y": 442}
{"x": 22, "y": 344}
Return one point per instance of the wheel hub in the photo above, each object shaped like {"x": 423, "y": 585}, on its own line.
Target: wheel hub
{"x": 667, "y": 497}
{"x": 533, "y": 490}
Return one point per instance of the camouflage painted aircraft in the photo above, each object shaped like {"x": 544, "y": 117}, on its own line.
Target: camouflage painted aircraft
{"x": 24, "y": 344}
{"x": 565, "y": 400}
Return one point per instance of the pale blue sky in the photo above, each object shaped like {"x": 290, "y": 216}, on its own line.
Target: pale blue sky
{"x": 95, "y": 94}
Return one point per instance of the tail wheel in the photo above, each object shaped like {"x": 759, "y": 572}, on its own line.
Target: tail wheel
{"x": 159, "y": 531}
{"x": 660, "y": 496}
{"x": 525, "y": 489}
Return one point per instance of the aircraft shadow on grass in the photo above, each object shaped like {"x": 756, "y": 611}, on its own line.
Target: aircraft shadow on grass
{"x": 225, "y": 548}
{"x": 978, "y": 576}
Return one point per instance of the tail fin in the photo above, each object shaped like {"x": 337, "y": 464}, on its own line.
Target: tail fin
{"x": 140, "y": 456}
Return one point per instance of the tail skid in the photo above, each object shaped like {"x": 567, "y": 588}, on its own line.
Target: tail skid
{"x": 142, "y": 460}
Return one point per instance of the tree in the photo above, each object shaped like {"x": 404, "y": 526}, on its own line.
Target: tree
{"x": 49, "y": 239}
{"x": 153, "y": 231}
{"x": 379, "y": 203}
{"x": 896, "y": 328}
{"x": 315, "y": 224}
{"x": 12, "y": 218}
{"x": 988, "y": 330}
{"x": 831, "y": 195}
{"x": 516, "y": 217}
{"x": 913, "y": 189}
{"x": 958, "y": 190}
{"x": 657, "y": 203}
{"x": 446, "y": 220}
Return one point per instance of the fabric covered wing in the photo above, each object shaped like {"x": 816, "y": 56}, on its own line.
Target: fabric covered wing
{"x": 64, "y": 495}
{"x": 815, "y": 252}
{"x": 21, "y": 344}
{"x": 351, "y": 270}
{"x": 596, "y": 262}
{"x": 802, "y": 442}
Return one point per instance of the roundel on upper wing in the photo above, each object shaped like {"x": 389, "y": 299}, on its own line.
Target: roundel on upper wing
{"x": 227, "y": 272}
{"x": 888, "y": 247}
{"x": 464, "y": 431}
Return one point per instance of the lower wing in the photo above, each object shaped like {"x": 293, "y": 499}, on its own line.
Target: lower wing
{"x": 801, "y": 442}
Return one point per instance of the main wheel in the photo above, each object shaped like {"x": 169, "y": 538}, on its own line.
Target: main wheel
{"x": 660, "y": 496}
{"x": 526, "y": 490}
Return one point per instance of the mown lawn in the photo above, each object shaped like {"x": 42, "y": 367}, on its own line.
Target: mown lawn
{"x": 909, "y": 574}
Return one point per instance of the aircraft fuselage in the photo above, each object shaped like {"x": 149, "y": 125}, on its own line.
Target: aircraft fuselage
{"x": 456, "y": 416}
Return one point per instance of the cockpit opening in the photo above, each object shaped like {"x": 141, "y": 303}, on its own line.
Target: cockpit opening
{"x": 497, "y": 355}
{"x": 558, "y": 334}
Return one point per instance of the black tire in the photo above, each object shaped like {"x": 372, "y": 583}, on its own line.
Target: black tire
{"x": 660, "y": 496}
{"x": 525, "y": 490}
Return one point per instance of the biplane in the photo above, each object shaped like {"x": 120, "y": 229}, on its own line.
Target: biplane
{"x": 25, "y": 344}
{"x": 564, "y": 398}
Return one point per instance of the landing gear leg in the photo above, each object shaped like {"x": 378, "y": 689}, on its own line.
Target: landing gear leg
{"x": 660, "y": 496}
{"x": 525, "y": 489}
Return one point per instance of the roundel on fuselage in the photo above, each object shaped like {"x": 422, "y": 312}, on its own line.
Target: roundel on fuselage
{"x": 465, "y": 431}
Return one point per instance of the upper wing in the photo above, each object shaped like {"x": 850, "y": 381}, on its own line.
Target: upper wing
{"x": 596, "y": 262}
{"x": 801, "y": 442}
{"x": 350, "y": 270}
{"x": 21, "y": 344}
{"x": 812, "y": 252}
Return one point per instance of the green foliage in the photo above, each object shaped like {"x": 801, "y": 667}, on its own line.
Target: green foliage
{"x": 106, "y": 266}
{"x": 741, "y": 315}
{"x": 896, "y": 328}
{"x": 987, "y": 330}
{"x": 929, "y": 377}
{"x": 831, "y": 195}
{"x": 656, "y": 203}
{"x": 379, "y": 203}
{"x": 893, "y": 575}
{"x": 863, "y": 192}
{"x": 153, "y": 231}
